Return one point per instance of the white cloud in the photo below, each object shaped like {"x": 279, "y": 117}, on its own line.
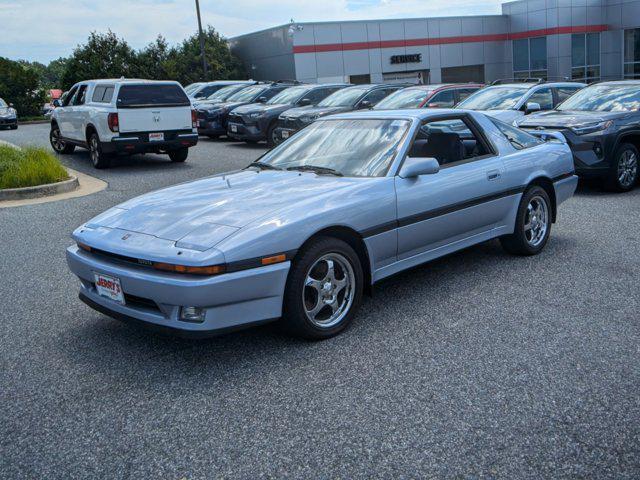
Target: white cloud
{"x": 43, "y": 29}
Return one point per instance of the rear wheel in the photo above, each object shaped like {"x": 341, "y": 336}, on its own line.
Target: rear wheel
{"x": 213, "y": 137}
{"x": 533, "y": 224}
{"x": 59, "y": 145}
{"x": 98, "y": 158}
{"x": 624, "y": 172}
{"x": 179, "y": 155}
{"x": 324, "y": 289}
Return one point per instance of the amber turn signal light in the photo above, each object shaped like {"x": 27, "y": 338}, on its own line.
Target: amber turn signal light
{"x": 84, "y": 247}
{"x": 273, "y": 259}
{"x": 209, "y": 270}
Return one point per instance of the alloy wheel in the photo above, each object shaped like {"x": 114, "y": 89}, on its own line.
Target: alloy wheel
{"x": 57, "y": 143}
{"x": 328, "y": 290}
{"x": 536, "y": 221}
{"x": 627, "y": 169}
{"x": 93, "y": 150}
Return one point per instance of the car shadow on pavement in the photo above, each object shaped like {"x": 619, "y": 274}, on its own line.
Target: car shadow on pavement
{"x": 248, "y": 146}
{"x": 81, "y": 161}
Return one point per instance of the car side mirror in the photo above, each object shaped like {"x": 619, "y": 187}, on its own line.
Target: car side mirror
{"x": 366, "y": 104}
{"x": 304, "y": 102}
{"x": 531, "y": 107}
{"x": 56, "y": 103}
{"x": 416, "y": 166}
{"x": 11, "y": 105}
{"x": 262, "y": 100}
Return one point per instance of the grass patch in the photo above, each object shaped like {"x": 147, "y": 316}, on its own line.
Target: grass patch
{"x": 29, "y": 166}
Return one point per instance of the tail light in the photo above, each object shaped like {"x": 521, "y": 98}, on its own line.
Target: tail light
{"x": 194, "y": 119}
{"x": 113, "y": 122}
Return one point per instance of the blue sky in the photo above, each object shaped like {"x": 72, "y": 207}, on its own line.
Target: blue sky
{"x": 43, "y": 30}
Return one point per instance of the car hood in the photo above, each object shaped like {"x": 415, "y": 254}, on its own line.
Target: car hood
{"x": 261, "y": 108}
{"x": 568, "y": 118}
{"x": 507, "y": 116}
{"x": 320, "y": 111}
{"x": 6, "y": 110}
{"x": 202, "y": 213}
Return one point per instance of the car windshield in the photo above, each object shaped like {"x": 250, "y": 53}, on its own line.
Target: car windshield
{"x": 346, "y": 97}
{"x": 493, "y": 98}
{"x": 407, "y": 98}
{"x": 350, "y": 147}
{"x": 288, "y": 96}
{"x": 605, "y": 98}
{"x": 225, "y": 92}
{"x": 3, "y": 104}
{"x": 191, "y": 87}
{"x": 247, "y": 94}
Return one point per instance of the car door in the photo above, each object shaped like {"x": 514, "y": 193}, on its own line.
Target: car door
{"x": 462, "y": 200}
{"x": 77, "y": 114}
{"x": 543, "y": 97}
{"x": 443, "y": 99}
{"x": 64, "y": 114}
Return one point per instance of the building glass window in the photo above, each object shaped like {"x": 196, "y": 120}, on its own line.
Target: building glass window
{"x": 585, "y": 57}
{"x": 632, "y": 53}
{"x": 530, "y": 58}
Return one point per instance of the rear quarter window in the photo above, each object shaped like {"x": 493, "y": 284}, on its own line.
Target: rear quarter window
{"x": 150, "y": 95}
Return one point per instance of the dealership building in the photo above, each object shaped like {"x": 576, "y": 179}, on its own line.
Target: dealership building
{"x": 586, "y": 40}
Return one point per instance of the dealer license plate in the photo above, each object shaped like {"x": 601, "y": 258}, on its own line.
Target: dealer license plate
{"x": 285, "y": 134}
{"x": 156, "y": 137}
{"x": 234, "y": 128}
{"x": 109, "y": 287}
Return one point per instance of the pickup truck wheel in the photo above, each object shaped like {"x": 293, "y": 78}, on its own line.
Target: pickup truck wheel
{"x": 533, "y": 224}
{"x": 624, "y": 172}
{"x": 98, "y": 158}
{"x": 324, "y": 289}
{"x": 179, "y": 155}
{"x": 59, "y": 145}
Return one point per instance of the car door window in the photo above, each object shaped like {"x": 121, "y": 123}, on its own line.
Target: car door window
{"x": 543, "y": 97}
{"x": 451, "y": 141}
{"x": 70, "y": 97}
{"x": 518, "y": 138}
{"x": 318, "y": 94}
{"x": 444, "y": 99}
{"x": 375, "y": 96}
{"x": 79, "y": 97}
{"x": 565, "y": 92}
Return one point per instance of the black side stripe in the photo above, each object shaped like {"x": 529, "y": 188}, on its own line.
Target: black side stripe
{"x": 420, "y": 217}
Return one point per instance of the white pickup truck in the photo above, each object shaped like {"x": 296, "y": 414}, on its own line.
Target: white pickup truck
{"x": 108, "y": 117}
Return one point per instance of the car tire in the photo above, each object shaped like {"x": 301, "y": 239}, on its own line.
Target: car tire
{"x": 319, "y": 304}
{"x": 179, "y": 156}
{"x": 624, "y": 171}
{"x": 533, "y": 224}
{"x": 59, "y": 145}
{"x": 98, "y": 158}
{"x": 272, "y": 139}
{"x": 213, "y": 137}
{"x": 14, "y": 127}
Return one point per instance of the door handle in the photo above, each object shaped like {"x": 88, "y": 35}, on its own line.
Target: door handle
{"x": 493, "y": 175}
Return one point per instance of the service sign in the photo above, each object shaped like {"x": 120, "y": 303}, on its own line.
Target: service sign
{"x": 409, "y": 58}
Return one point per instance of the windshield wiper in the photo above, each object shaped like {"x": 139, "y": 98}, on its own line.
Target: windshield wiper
{"x": 263, "y": 166}
{"x": 317, "y": 169}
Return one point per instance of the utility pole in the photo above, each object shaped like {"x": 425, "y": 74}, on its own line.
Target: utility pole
{"x": 204, "y": 60}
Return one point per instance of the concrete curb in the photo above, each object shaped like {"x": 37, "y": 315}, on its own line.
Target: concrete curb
{"x": 40, "y": 190}
{"x": 33, "y": 122}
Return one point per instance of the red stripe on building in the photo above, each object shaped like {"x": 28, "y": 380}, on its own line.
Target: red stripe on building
{"x": 416, "y": 42}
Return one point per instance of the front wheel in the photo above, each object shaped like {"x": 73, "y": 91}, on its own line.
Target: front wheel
{"x": 14, "y": 127}
{"x": 324, "y": 289}
{"x": 179, "y": 155}
{"x": 533, "y": 224}
{"x": 272, "y": 136}
{"x": 59, "y": 145}
{"x": 624, "y": 172}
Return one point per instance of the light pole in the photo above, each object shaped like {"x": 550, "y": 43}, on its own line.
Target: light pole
{"x": 204, "y": 61}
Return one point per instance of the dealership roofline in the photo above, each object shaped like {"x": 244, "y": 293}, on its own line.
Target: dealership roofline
{"x": 372, "y": 20}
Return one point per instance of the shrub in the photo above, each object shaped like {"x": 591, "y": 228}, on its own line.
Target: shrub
{"x": 29, "y": 166}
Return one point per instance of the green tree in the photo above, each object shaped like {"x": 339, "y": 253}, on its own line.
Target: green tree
{"x": 52, "y": 77}
{"x": 103, "y": 56}
{"x": 152, "y": 61}
{"x": 20, "y": 85}
{"x": 184, "y": 62}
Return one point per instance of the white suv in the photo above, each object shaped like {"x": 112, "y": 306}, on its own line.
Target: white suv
{"x": 125, "y": 116}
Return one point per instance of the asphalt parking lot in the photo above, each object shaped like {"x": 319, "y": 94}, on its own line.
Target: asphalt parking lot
{"x": 478, "y": 365}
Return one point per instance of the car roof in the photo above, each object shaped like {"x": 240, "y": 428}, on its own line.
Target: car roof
{"x": 407, "y": 113}
{"x": 138, "y": 81}
{"x": 321, "y": 85}
{"x": 530, "y": 85}
{"x": 619, "y": 82}
{"x": 441, "y": 86}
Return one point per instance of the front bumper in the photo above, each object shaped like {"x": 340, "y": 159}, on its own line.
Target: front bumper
{"x": 283, "y": 134}
{"x": 8, "y": 122}
{"x": 232, "y": 300}
{"x": 211, "y": 127}
{"x": 140, "y": 143}
{"x": 241, "y": 131}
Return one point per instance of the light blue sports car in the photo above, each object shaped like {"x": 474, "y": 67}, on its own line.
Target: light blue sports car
{"x": 301, "y": 233}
